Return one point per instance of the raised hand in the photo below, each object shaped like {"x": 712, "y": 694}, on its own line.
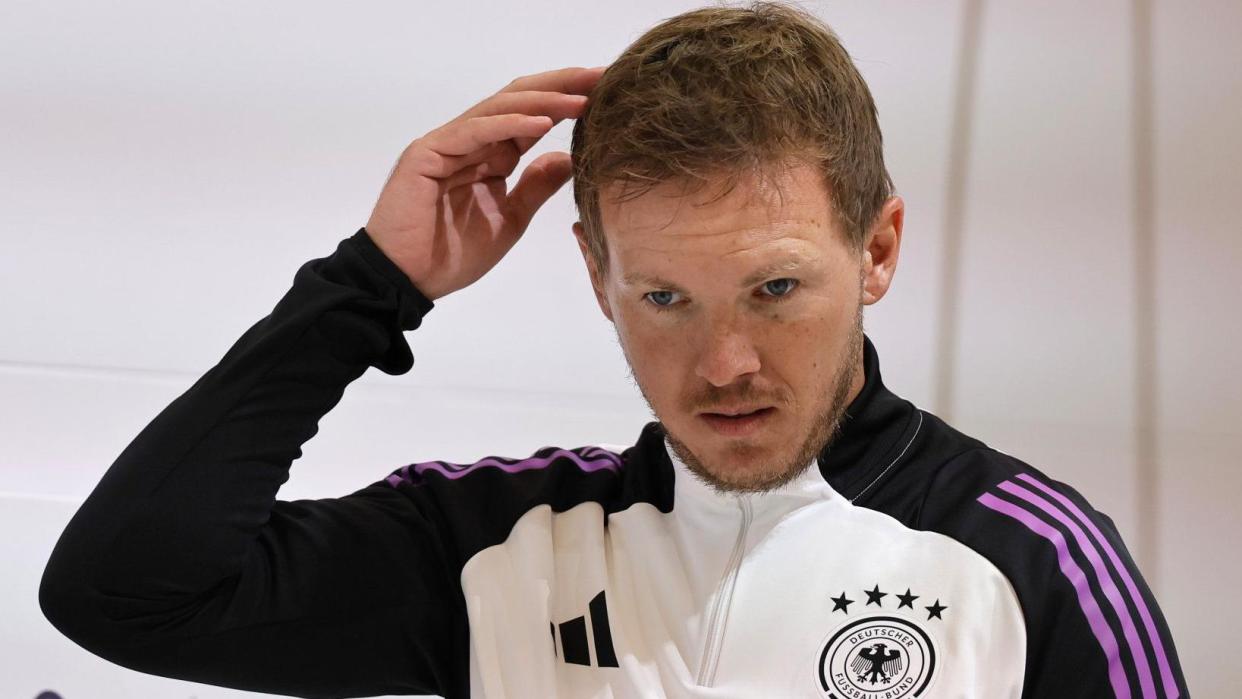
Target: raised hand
{"x": 445, "y": 216}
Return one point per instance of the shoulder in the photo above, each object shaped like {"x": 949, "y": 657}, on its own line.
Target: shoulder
{"x": 1002, "y": 504}
{"x": 1092, "y": 622}
{"x": 948, "y": 479}
{"x": 543, "y": 463}
{"x": 476, "y": 503}
{"x": 503, "y": 487}
{"x": 1030, "y": 525}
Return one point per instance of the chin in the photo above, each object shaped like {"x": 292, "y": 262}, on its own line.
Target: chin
{"x": 739, "y": 465}
{"x": 747, "y": 477}
{"x": 751, "y": 481}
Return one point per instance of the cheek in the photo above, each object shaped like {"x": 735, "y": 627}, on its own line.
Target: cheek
{"x": 793, "y": 350}
{"x": 651, "y": 347}
{"x": 807, "y": 344}
{"x": 649, "y": 332}
{"x": 659, "y": 356}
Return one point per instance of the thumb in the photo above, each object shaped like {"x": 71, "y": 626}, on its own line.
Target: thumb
{"x": 539, "y": 181}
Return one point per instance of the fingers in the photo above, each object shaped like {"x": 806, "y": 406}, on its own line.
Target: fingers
{"x": 460, "y": 138}
{"x": 556, "y": 105}
{"x": 497, "y": 160}
{"x": 539, "y": 181}
{"x": 465, "y": 148}
{"x": 534, "y": 102}
{"x": 572, "y": 81}
{"x": 560, "y": 94}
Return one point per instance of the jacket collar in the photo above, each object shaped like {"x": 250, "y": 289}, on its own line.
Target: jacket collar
{"x": 876, "y": 427}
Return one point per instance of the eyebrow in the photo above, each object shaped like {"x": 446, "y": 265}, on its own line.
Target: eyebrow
{"x": 785, "y": 265}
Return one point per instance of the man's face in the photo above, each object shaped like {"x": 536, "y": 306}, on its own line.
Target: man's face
{"x": 750, "y": 301}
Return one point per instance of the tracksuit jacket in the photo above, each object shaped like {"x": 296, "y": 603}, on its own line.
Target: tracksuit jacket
{"x": 909, "y": 560}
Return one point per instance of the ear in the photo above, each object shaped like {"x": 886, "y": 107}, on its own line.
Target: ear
{"x": 592, "y": 269}
{"x": 880, "y": 250}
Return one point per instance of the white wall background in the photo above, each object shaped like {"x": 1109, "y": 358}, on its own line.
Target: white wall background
{"x": 1069, "y": 275}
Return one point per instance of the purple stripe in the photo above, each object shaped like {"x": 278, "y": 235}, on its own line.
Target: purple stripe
{"x": 1146, "y": 681}
{"x": 603, "y": 461}
{"x": 1162, "y": 658}
{"x": 1070, "y": 569}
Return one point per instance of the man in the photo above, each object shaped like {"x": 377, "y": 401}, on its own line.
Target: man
{"x": 788, "y": 527}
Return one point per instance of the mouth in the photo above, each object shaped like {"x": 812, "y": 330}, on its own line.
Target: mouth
{"x": 738, "y": 425}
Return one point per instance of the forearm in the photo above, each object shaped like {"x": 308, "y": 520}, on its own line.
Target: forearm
{"x": 182, "y": 507}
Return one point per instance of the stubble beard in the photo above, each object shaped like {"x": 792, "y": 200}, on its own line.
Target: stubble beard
{"x": 824, "y": 430}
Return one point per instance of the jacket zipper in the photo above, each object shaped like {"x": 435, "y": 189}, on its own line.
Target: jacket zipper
{"x": 724, "y": 598}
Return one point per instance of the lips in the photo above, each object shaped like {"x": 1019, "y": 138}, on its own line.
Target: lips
{"x": 740, "y": 425}
{"x": 736, "y": 412}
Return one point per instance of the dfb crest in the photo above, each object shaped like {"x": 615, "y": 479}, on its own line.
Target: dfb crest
{"x": 876, "y": 657}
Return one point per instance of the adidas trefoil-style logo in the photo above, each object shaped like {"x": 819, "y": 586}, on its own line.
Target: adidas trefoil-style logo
{"x": 573, "y": 636}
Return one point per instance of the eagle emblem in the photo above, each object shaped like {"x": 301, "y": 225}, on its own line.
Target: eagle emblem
{"x": 881, "y": 656}
{"x": 876, "y": 663}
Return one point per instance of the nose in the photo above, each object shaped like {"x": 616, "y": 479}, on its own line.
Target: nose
{"x": 727, "y": 354}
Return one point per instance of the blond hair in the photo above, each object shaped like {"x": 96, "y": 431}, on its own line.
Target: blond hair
{"x": 730, "y": 91}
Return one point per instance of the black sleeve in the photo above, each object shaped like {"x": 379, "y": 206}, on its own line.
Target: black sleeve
{"x": 182, "y": 563}
{"x": 1093, "y": 627}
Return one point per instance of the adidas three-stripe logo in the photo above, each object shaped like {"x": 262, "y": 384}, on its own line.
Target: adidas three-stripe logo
{"x": 1076, "y": 538}
{"x": 573, "y": 633}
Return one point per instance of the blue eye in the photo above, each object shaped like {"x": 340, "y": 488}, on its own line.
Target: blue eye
{"x": 790, "y": 287}
{"x": 665, "y": 300}
{"x": 660, "y": 306}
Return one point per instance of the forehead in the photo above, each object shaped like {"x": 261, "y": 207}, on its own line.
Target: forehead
{"x": 787, "y": 211}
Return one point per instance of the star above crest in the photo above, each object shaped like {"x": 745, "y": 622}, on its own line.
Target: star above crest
{"x": 841, "y": 604}
{"x": 906, "y": 600}
{"x": 874, "y": 596}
